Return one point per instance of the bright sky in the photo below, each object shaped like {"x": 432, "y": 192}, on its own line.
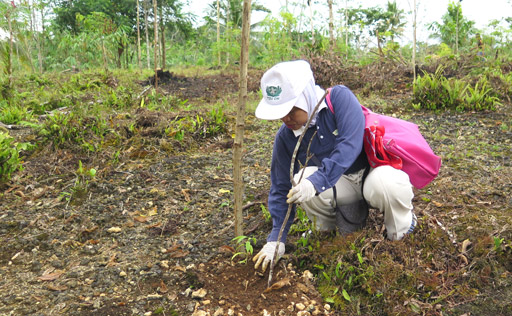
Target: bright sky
{"x": 480, "y": 11}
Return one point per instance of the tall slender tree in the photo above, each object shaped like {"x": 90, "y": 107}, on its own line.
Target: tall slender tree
{"x": 8, "y": 14}
{"x": 310, "y": 4}
{"x": 146, "y": 29}
{"x": 240, "y": 118}
{"x": 138, "y": 35}
{"x": 162, "y": 38}
{"x": 414, "y": 42}
{"x": 155, "y": 41}
{"x": 346, "y": 29}
{"x": 218, "y": 31}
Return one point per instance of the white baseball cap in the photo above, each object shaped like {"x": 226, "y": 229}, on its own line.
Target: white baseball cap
{"x": 282, "y": 85}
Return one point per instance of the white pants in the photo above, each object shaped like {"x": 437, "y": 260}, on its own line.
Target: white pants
{"x": 385, "y": 188}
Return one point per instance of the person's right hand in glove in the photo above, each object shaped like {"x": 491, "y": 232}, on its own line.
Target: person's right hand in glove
{"x": 264, "y": 257}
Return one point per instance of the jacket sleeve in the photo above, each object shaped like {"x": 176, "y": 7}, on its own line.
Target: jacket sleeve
{"x": 280, "y": 186}
{"x": 350, "y": 123}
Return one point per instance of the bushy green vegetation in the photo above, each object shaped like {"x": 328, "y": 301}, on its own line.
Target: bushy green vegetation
{"x": 87, "y": 35}
{"x": 435, "y": 91}
{"x": 10, "y": 160}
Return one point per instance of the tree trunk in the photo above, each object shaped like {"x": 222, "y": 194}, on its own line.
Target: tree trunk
{"x": 218, "y": 33}
{"x": 240, "y": 118}
{"x": 331, "y": 24}
{"x": 311, "y": 20}
{"x": 104, "y": 54}
{"x": 381, "y": 54}
{"x": 146, "y": 8}
{"x": 37, "y": 39}
{"x": 138, "y": 36}
{"x": 33, "y": 29}
{"x": 155, "y": 42}
{"x": 227, "y": 33}
{"x": 162, "y": 28}
{"x": 41, "y": 62}
{"x": 414, "y": 43}
{"x": 346, "y": 29}
{"x": 9, "y": 58}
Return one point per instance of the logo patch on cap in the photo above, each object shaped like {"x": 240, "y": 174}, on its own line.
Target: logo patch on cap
{"x": 273, "y": 92}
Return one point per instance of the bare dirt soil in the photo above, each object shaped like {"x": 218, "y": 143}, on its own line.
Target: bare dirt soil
{"x": 152, "y": 235}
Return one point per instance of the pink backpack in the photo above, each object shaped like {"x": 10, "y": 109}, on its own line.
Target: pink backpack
{"x": 395, "y": 142}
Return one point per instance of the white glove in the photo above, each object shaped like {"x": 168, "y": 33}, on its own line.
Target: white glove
{"x": 267, "y": 253}
{"x": 302, "y": 192}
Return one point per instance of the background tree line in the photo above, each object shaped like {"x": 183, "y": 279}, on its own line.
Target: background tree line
{"x": 44, "y": 35}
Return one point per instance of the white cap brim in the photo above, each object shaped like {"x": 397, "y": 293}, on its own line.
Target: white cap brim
{"x": 266, "y": 111}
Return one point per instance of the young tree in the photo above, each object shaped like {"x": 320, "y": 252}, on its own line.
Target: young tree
{"x": 346, "y": 28}
{"x": 155, "y": 40}
{"x": 146, "y": 30}
{"x": 218, "y": 31}
{"x": 311, "y": 21}
{"x": 138, "y": 36}
{"x": 229, "y": 18}
{"x": 414, "y": 42}
{"x": 455, "y": 30}
{"x": 240, "y": 118}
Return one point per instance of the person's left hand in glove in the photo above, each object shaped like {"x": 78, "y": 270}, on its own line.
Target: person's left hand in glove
{"x": 302, "y": 192}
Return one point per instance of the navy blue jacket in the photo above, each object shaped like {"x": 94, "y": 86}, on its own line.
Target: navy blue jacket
{"x": 338, "y": 144}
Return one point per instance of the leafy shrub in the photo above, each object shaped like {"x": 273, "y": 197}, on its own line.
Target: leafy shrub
{"x": 433, "y": 91}
{"x": 9, "y": 156}
{"x": 66, "y": 129}
{"x": 13, "y": 114}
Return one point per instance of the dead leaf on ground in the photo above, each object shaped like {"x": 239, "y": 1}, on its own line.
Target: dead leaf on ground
{"x": 185, "y": 194}
{"x": 437, "y": 204}
{"x": 226, "y": 248}
{"x": 162, "y": 287}
{"x": 465, "y": 244}
{"x": 176, "y": 251}
{"x": 179, "y": 254}
{"x": 51, "y": 276}
{"x": 279, "y": 284}
{"x": 89, "y": 230}
{"x": 141, "y": 219}
{"x": 156, "y": 225}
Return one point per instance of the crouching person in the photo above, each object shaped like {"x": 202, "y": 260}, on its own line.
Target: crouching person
{"x": 337, "y": 185}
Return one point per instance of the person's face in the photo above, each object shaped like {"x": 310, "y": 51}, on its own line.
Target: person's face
{"x": 295, "y": 119}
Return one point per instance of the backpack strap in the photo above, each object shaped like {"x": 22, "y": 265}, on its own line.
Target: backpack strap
{"x": 328, "y": 100}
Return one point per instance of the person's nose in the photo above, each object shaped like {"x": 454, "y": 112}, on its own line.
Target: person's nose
{"x": 286, "y": 119}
